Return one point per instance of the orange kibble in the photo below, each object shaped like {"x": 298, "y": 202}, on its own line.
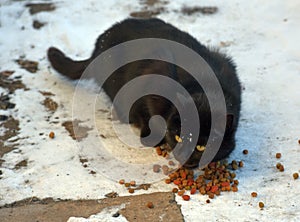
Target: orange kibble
{"x": 261, "y": 205}
{"x": 225, "y": 184}
{"x": 193, "y": 191}
{"x": 236, "y": 182}
{"x": 211, "y": 195}
{"x": 186, "y": 197}
{"x": 174, "y": 190}
{"x": 278, "y": 155}
{"x": 234, "y": 188}
{"x": 245, "y": 152}
{"x": 150, "y": 205}
{"x": 296, "y": 176}
{"x": 202, "y": 190}
{"x": 183, "y": 175}
{"x": 181, "y": 192}
{"x": 122, "y": 181}
{"x": 180, "y": 187}
{"x": 190, "y": 182}
{"x": 214, "y": 188}
{"x": 218, "y": 192}
{"x": 281, "y": 168}
{"x": 167, "y": 181}
{"x": 177, "y": 182}
{"x": 130, "y": 190}
{"x": 254, "y": 194}
{"x": 241, "y": 164}
{"x": 51, "y": 135}
{"x": 158, "y": 151}
{"x": 132, "y": 183}
{"x": 228, "y": 188}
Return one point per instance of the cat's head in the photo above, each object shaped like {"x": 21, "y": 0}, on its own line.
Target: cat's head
{"x": 204, "y": 112}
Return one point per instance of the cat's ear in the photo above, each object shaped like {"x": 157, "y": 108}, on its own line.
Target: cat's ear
{"x": 229, "y": 122}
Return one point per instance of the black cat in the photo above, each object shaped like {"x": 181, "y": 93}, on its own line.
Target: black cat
{"x": 150, "y": 105}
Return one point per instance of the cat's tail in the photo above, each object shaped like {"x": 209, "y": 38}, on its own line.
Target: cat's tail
{"x": 66, "y": 66}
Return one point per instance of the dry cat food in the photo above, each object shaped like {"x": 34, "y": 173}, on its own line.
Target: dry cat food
{"x": 254, "y": 194}
{"x": 216, "y": 178}
{"x": 162, "y": 152}
{"x": 132, "y": 183}
{"x": 174, "y": 190}
{"x": 178, "y": 139}
{"x": 261, "y": 205}
{"x": 156, "y": 168}
{"x": 186, "y": 197}
{"x": 296, "y": 176}
{"x": 150, "y": 205}
{"x": 200, "y": 148}
{"x": 245, "y": 152}
{"x": 132, "y": 186}
{"x": 280, "y": 167}
{"x": 278, "y": 155}
{"x": 51, "y": 135}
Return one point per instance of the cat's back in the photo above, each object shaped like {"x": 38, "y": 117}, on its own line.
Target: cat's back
{"x": 131, "y": 29}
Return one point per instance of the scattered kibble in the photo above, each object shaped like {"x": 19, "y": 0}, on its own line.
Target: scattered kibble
{"x": 127, "y": 184}
{"x": 156, "y": 168}
{"x": 130, "y": 190}
{"x": 186, "y": 197}
{"x": 181, "y": 192}
{"x": 175, "y": 190}
{"x": 132, "y": 183}
{"x": 234, "y": 189}
{"x": 234, "y": 165}
{"x": 261, "y": 205}
{"x": 51, "y": 135}
{"x": 296, "y": 176}
{"x": 208, "y": 201}
{"x": 245, "y": 152}
{"x": 278, "y": 155}
{"x": 167, "y": 181}
{"x": 200, "y": 148}
{"x": 278, "y": 165}
{"x": 298, "y": 141}
{"x": 281, "y": 168}
{"x": 193, "y": 190}
{"x": 150, "y": 205}
{"x": 158, "y": 151}
{"x": 171, "y": 163}
{"x": 165, "y": 169}
{"x": 178, "y": 139}
{"x": 241, "y": 164}
{"x": 122, "y": 181}
{"x": 211, "y": 195}
{"x": 254, "y": 194}
{"x": 215, "y": 179}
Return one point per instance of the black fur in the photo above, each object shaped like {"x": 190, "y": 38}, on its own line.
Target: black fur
{"x": 150, "y": 105}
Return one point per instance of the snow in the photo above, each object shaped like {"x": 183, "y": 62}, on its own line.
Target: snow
{"x": 262, "y": 39}
{"x": 103, "y": 216}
